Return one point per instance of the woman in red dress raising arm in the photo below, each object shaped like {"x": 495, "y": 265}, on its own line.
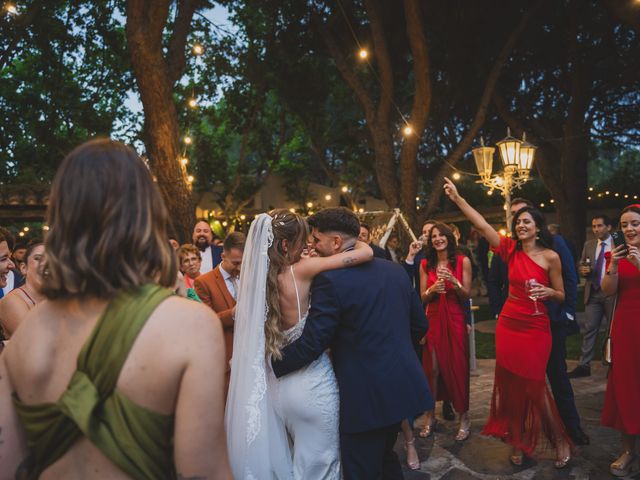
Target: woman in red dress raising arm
{"x": 445, "y": 282}
{"x": 623, "y": 386}
{"x": 522, "y": 409}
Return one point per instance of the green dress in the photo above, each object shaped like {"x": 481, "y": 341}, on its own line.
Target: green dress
{"x": 138, "y": 440}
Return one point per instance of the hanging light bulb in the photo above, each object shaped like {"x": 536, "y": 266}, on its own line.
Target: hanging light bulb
{"x": 456, "y": 176}
{"x": 187, "y": 140}
{"x": 363, "y": 53}
{"x": 407, "y": 130}
{"x": 193, "y": 103}
{"x": 345, "y": 189}
{"x": 11, "y": 8}
{"x": 190, "y": 179}
{"x": 327, "y": 197}
{"x": 197, "y": 49}
{"x": 184, "y": 161}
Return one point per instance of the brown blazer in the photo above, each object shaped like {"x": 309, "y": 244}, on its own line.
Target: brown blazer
{"x": 213, "y": 291}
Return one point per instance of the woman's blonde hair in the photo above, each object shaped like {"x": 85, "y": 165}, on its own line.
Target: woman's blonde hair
{"x": 107, "y": 225}
{"x": 293, "y": 228}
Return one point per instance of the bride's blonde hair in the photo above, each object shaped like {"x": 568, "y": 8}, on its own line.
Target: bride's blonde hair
{"x": 293, "y": 228}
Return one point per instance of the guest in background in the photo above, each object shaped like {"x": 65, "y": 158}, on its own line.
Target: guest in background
{"x": 19, "y": 251}
{"x": 446, "y": 283}
{"x": 219, "y": 288}
{"x": 391, "y": 248}
{"x": 17, "y": 303}
{"x": 622, "y": 399}
{"x": 521, "y": 410}
{"x": 596, "y": 304}
{"x": 563, "y": 322}
{"x": 189, "y": 261}
{"x": 6, "y": 264}
{"x": 210, "y": 251}
{"x": 365, "y": 236}
{"x": 14, "y": 278}
{"x": 102, "y": 377}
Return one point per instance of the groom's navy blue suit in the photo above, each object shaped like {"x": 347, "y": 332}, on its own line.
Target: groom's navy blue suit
{"x": 370, "y": 316}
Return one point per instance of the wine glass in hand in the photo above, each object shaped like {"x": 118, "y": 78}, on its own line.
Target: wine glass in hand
{"x": 529, "y": 286}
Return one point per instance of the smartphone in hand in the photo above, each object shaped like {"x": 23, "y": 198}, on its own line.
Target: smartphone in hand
{"x": 618, "y": 238}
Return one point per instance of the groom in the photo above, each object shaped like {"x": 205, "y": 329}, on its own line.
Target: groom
{"x": 370, "y": 316}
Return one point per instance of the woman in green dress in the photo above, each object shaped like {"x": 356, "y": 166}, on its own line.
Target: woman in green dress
{"x": 112, "y": 377}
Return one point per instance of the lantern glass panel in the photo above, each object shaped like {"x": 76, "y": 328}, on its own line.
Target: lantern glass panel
{"x": 527, "y": 153}
{"x": 484, "y": 160}
{"x": 510, "y": 152}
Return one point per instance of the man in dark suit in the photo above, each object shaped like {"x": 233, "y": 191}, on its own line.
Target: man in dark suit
{"x": 370, "y": 316}
{"x": 365, "y": 236}
{"x": 203, "y": 239}
{"x": 563, "y": 321}
{"x": 596, "y": 304}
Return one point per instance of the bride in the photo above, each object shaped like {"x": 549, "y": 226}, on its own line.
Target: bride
{"x": 287, "y": 428}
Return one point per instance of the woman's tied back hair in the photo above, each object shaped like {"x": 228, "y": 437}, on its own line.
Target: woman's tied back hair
{"x": 108, "y": 225}
{"x": 292, "y": 228}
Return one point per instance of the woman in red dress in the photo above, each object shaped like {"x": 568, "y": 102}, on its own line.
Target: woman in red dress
{"x": 522, "y": 408}
{"x": 445, "y": 282}
{"x": 622, "y": 400}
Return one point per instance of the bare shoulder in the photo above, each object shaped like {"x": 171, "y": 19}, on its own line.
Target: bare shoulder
{"x": 551, "y": 257}
{"x": 185, "y": 314}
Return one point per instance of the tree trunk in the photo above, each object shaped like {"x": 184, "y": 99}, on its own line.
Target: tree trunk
{"x": 155, "y": 76}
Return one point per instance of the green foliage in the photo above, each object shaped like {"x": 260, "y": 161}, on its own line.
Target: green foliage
{"x": 64, "y": 79}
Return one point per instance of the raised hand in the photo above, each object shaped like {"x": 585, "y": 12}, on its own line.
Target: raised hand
{"x": 414, "y": 248}
{"x": 634, "y": 256}
{"x": 451, "y": 190}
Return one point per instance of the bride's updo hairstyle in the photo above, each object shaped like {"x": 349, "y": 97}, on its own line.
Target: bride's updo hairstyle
{"x": 292, "y": 228}
{"x": 107, "y": 225}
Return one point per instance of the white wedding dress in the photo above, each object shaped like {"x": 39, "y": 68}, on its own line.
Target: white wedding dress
{"x": 307, "y": 400}
{"x": 277, "y": 429}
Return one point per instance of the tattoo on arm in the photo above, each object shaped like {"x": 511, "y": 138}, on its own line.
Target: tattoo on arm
{"x": 348, "y": 261}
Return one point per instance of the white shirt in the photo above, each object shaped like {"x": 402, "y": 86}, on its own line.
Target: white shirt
{"x": 229, "y": 283}
{"x": 11, "y": 279}
{"x": 206, "y": 264}
{"x": 606, "y": 244}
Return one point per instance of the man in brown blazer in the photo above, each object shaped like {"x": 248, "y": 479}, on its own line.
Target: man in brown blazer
{"x": 218, "y": 288}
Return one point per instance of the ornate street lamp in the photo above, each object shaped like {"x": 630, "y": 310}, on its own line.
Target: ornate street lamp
{"x": 517, "y": 160}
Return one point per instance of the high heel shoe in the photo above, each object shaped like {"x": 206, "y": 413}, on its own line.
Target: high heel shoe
{"x": 563, "y": 461}
{"x": 429, "y": 428}
{"x": 463, "y": 432}
{"x": 516, "y": 458}
{"x": 622, "y": 466}
{"x": 412, "y": 465}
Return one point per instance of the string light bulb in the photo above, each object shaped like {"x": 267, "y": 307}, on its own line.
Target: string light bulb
{"x": 361, "y": 210}
{"x": 197, "y": 49}
{"x": 309, "y": 204}
{"x": 292, "y": 210}
{"x": 224, "y": 224}
{"x": 243, "y": 217}
{"x": 190, "y": 179}
{"x": 26, "y": 229}
{"x": 45, "y": 228}
{"x": 327, "y": 197}
{"x": 407, "y": 130}
{"x": 363, "y": 53}
{"x": 188, "y": 140}
{"x": 456, "y": 176}
{"x": 193, "y": 103}
{"x": 345, "y": 189}
{"x": 11, "y": 8}
{"x": 21, "y": 234}
{"x": 184, "y": 161}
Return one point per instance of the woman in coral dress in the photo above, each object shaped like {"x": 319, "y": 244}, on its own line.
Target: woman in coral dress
{"x": 523, "y": 412}
{"x": 445, "y": 282}
{"x": 622, "y": 400}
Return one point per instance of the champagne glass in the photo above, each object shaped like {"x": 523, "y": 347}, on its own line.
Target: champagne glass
{"x": 530, "y": 285}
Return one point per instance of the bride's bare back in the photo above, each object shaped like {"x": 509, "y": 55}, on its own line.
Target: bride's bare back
{"x": 304, "y": 271}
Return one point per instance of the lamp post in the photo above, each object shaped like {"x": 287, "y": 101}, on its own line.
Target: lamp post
{"x": 517, "y": 160}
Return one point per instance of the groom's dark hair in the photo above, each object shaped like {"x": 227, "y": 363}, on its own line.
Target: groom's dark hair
{"x": 336, "y": 219}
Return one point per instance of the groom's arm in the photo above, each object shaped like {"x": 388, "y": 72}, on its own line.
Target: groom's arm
{"x": 323, "y": 320}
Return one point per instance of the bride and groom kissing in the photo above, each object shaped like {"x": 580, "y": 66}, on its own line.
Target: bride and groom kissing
{"x": 295, "y": 411}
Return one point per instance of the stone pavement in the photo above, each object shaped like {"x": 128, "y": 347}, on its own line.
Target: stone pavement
{"x": 487, "y": 459}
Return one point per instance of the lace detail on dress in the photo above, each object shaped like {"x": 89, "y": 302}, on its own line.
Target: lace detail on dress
{"x": 258, "y": 364}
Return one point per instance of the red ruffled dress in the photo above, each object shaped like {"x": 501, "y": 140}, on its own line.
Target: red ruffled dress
{"x": 622, "y": 399}
{"x": 447, "y": 337}
{"x": 522, "y": 408}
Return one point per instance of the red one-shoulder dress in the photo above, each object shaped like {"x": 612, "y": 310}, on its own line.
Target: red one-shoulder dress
{"x": 523, "y": 412}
